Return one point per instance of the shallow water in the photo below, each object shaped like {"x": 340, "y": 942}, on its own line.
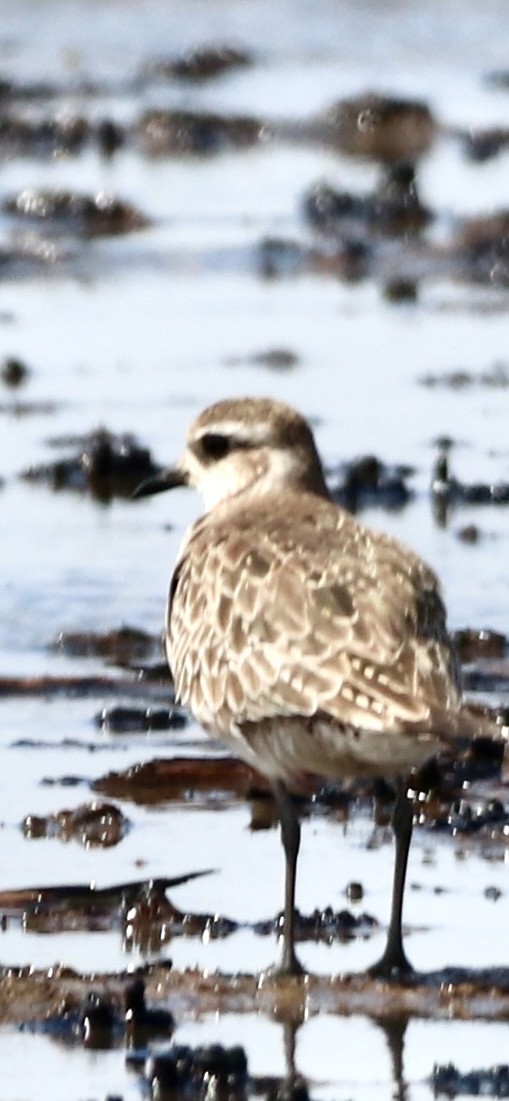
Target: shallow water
{"x": 138, "y": 333}
{"x": 375, "y": 1078}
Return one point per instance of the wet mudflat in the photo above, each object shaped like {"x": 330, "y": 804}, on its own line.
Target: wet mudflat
{"x": 200, "y": 201}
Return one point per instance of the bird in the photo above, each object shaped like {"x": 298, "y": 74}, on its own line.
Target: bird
{"x": 303, "y": 639}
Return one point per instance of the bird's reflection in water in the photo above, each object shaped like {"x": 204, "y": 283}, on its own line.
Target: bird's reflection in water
{"x": 394, "y": 1029}
{"x": 295, "y": 1087}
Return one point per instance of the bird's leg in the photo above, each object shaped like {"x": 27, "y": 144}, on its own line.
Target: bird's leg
{"x": 394, "y": 961}
{"x": 290, "y": 835}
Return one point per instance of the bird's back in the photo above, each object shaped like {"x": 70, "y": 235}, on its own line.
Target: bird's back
{"x": 284, "y": 608}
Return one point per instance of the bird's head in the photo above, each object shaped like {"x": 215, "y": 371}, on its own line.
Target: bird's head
{"x": 249, "y": 445}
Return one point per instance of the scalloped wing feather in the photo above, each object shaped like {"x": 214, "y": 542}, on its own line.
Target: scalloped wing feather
{"x": 291, "y": 608}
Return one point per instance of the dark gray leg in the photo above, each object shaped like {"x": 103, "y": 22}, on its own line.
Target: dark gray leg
{"x": 394, "y": 961}
{"x": 290, "y": 835}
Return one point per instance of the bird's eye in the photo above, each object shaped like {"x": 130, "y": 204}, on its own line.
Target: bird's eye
{"x": 214, "y": 445}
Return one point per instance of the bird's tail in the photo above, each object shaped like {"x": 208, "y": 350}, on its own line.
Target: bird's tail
{"x": 471, "y": 722}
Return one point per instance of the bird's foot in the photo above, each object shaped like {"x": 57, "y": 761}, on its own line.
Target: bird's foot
{"x": 392, "y": 965}
{"x": 290, "y": 967}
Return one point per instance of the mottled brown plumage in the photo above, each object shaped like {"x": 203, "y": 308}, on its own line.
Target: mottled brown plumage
{"x": 285, "y": 607}
{"x": 306, "y": 641}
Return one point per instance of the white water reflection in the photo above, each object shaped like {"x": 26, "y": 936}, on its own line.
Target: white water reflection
{"x": 337, "y": 1055}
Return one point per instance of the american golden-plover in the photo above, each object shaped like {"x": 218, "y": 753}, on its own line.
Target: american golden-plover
{"x": 305, "y": 641}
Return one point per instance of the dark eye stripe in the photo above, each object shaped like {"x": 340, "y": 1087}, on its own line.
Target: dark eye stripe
{"x": 214, "y": 445}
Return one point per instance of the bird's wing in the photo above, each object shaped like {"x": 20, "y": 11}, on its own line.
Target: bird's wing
{"x": 339, "y": 622}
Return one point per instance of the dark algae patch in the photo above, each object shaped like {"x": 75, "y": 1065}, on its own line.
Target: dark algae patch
{"x": 123, "y": 720}
{"x": 179, "y": 778}
{"x": 100, "y": 215}
{"x": 186, "y": 1071}
{"x": 448, "y": 1081}
{"x": 14, "y": 372}
{"x": 325, "y": 925}
{"x": 188, "y": 133}
{"x": 120, "y": 646}
{"x": 199, "y": 64}
{"x": 86, "y": 907}
{"x": 95, "y": 825}
{"x": 387, "y": 129}
{"x": 105, "y": 466}
{"x": 369, "y": 482}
